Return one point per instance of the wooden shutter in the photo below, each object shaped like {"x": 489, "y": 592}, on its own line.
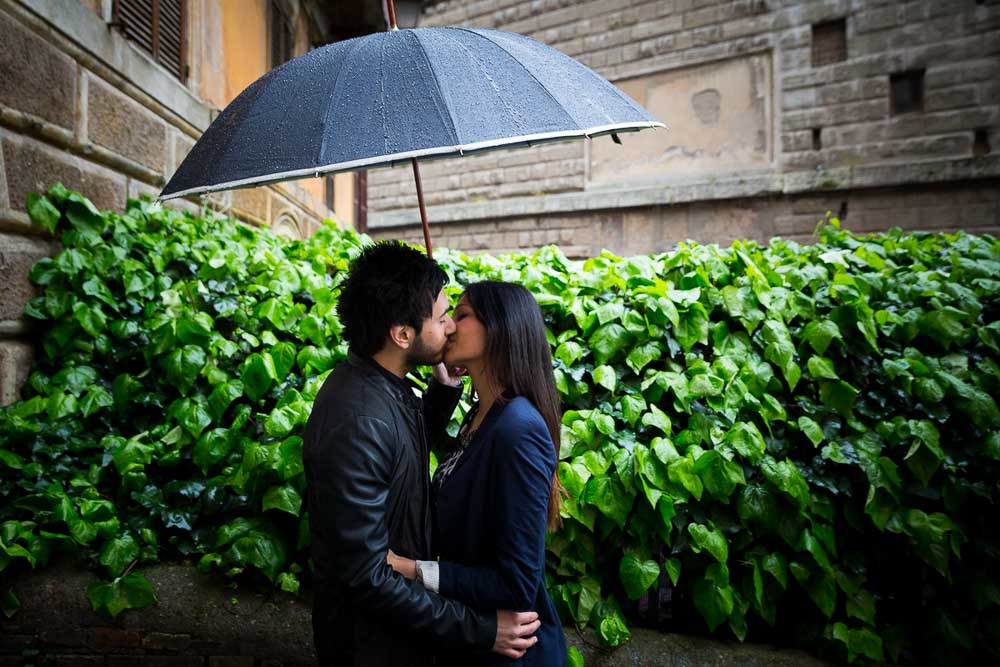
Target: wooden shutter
{"x": 156, "y": 26}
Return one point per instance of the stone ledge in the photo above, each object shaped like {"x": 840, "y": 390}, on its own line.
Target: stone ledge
{"x": 199, "y": 620}
{"x": 756, "y": 183}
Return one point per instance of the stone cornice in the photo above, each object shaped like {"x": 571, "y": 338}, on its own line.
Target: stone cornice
{"x": 751, "y": 183}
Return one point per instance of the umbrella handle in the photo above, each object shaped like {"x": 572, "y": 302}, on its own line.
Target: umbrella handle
{"x": 423, "y": 210}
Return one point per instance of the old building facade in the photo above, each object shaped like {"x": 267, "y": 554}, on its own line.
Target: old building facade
{"x": 886, "y": 112}
{"x": 108, "y": 96}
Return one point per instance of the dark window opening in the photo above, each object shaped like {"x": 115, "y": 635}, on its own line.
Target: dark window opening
{"x": 282, "y": 34}
{"x": 829, "y": 42}
{"x": 906, "y": 92}
{"x": 981, "y": 142}
{"x": 158, "y": 28}
{"x": 817, "y": 139}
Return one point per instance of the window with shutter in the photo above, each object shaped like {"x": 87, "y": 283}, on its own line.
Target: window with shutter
{"x": 282, "y": 33}
{"x": 157, "y": 27}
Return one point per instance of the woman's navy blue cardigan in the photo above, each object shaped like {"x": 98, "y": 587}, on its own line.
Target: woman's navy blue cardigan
{"x": 492, "y": 512}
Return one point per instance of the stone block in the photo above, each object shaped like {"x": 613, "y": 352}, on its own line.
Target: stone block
{"x": 802, "y": 98}
{"x": 35, "y": 78}
{"x": 163, "y": 641}
{"x": 120, "y": 124}
{"x": 978, "y": 215}
{"x": 110, "y": 639}
{"x": 182, "y": 146}
{"x": 173, "y": 661}
{"x": 230, "y": 661}
{"x": 252, "y": 202}
{"x": 74, "y": 660}
{"x": 32, "y": 166}
{"x": 17, "y": 255}
{"x": 956, "y": 97}
{"x": 838, "y": 93}
{"x": 64, "y": 637}
{"x": 11, "y": 642}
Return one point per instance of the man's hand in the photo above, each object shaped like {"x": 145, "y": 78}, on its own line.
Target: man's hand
{"x": 404, "y": 566}
{"x": 449, "y": 375}
{"x": 514, "y": 630}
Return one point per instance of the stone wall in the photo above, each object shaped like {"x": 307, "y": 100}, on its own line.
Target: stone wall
{"x": 759, "y": 137}
{"x": 82, "y": 106}
{"x": 199, "y": 621}
{"x": 972, "y": 206}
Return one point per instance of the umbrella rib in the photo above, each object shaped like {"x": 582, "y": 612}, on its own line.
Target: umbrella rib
{"x": 333, "y": 99}
{"x": 478, "y": 62}
{"x": 381, "y": 85}
{"x": 440, "y": 94}
{"x": 480, "y": 33}
{"x": 604, "y": 82}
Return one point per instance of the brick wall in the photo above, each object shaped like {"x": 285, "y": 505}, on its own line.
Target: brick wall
{"x": 829, "y": 127}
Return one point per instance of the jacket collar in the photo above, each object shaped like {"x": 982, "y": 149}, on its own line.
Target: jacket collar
{"x": 400, "y": 387}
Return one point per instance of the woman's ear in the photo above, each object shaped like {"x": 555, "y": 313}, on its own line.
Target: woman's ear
{"x": 402, "y": 335}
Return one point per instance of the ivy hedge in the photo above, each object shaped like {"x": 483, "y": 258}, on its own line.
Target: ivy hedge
{"x": 795, "y": 444}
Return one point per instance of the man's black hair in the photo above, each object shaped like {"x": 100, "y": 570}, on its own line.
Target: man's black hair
{"x": 389, "y": 283}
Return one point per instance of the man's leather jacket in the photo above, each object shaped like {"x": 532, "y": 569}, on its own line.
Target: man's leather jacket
{"x": 366, "y": 457}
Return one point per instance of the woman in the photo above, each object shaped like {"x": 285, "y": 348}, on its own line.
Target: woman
{"x": 497, "y": 491}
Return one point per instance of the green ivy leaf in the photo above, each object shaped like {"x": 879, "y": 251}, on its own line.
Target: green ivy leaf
{"x": 258, "y": 375}
{"x": 657, "y": 418}
{"x": 821, "y": 368}
{"x": 42, "y": 212}
{"x": 838, "y": 395}
{"x": 129, "y": 592}
{"x": 785, "y": 476}
{"x": 608, "y": 341}
{"x": 605, "y": 376}
{"x": 642, "y": 355}
{"x": 747, "y": 440}
{"x": 713, "y": 596}
{"x": 610, "y": 497}
{"x": 184, "y": 365}
{"x": 283, "y": 498}
{"x": 633, "y": 406}
{"x": 811, "y": 429}
{"x": 288, "y": 582}
{"x": 637, "y": 575}
{"x": 711, "y": 540}
{"x": 261, "y": 550}
{"x": 116, "y": 554}
{"x": 569, "y": 352}
{"x": 719, "y": 475}
{"x": 223, "y": 396}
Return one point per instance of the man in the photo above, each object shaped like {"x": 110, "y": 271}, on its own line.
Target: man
{"x": 366, "y": 457}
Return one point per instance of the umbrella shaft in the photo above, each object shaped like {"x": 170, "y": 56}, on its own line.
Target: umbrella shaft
{"x": 390, "y": 11}
{"x": 423, "y": 209}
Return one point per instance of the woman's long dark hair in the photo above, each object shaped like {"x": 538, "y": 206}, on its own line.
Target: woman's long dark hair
{"x": 518, "y": 358}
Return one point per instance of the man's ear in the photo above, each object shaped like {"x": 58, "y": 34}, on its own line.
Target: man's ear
{"x": 402, "y": 335}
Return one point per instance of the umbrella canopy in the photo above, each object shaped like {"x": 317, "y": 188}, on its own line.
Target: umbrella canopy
{"x": 397, "y": 96}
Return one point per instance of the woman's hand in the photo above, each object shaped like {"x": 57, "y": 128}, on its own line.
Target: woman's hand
{"x": 449, "y": 375}
{"x": 404, "y": 566}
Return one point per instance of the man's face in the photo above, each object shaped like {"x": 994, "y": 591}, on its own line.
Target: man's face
{"x": 428, "y": 348}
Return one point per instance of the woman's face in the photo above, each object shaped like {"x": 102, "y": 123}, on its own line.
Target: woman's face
{"x": 467, "y": 346}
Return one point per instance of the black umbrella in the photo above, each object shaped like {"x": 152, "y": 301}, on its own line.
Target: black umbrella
{"x": 402, "y": 95}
